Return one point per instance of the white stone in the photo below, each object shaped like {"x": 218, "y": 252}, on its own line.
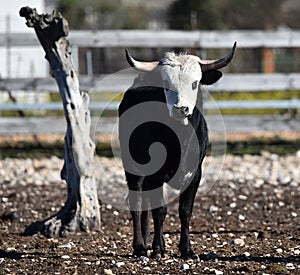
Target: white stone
{"x": 144, "y": 259}
{"x": 232, "y": 205}
{"x": 243, "y": 197}
{"x": 68, "y": 245}
{"x": 297, "y": 251}
{"x": 238, "y": 241}
{"x": 241, "y": 217}
{"x": 119, "y": 264}
{"x": 290, "y": 266}
{"x": 213, "y": 208}
{"x": 185, "y": 267}
{"x": 108, "y": 272}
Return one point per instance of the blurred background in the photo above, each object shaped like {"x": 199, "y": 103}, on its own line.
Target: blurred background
{"x": 259, "y": 95}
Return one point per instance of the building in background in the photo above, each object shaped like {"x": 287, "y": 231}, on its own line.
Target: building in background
{"x": 18, "y": 62}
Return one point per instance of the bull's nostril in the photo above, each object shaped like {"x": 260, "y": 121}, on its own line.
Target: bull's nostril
{"x": 185, "y": 110}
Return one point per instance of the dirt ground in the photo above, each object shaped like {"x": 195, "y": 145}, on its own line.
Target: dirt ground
{"x": 242, "y": 226}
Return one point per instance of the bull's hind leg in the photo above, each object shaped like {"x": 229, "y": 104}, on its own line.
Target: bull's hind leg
{"x": 186, "y": 202}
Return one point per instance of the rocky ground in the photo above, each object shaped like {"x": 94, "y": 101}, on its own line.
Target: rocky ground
{"x": 248, "y": 223}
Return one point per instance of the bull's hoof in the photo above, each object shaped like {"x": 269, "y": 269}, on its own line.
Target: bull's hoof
{"x": 139, "y": 251}
{"x": 189, "y": 254}
{"x": 157, "y": 255}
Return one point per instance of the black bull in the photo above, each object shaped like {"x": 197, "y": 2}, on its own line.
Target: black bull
{"x": 181, "y": 157}
{"x": 158, "y": 149}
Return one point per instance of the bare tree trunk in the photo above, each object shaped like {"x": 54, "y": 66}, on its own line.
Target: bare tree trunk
{"x": 81, "y": 211}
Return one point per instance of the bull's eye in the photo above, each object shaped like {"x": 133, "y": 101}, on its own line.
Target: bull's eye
{"x": 194, "y": 85}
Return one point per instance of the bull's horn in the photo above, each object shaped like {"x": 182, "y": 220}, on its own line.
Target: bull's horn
{"x": 140, "y": 65}
{"x": 207, "y": 65}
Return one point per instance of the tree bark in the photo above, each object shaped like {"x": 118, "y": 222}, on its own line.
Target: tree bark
{"x": 81, "y": 211}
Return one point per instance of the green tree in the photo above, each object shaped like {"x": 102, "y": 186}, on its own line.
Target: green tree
{"x": 194, "y": 14}
{"x": 72, "y": 11}
{"x": 225, "y": 14}
{"x": 252, "y": 14}
{"x": 104, "y": 14}
{"x": 290, "y": 14}
{"x": 135, "y": 16}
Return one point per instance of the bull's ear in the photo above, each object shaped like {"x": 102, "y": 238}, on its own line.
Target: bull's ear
{"x": 210, "y": 77}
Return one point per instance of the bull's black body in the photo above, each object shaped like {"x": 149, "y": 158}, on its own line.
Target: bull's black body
{"x": 145, "y": 135}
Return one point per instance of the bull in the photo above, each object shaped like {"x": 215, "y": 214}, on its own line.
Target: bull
{"x": 172, "y": 134}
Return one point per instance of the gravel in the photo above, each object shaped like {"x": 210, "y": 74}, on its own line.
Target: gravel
{"x": 246, "y": 221}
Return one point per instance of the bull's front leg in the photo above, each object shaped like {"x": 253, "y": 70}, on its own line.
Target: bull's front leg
{"x": 186, "y": 203}
{"x": 139, "y": 248}
{"x": 135, "y": 205}
{"x": 159, "y": 212}
{"x": 158, "y": 245}
{"x": 145, "y": 223}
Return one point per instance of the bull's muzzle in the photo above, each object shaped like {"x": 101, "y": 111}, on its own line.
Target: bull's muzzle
{"x": 185, "y": 110}
{"x": 180, "y": 112}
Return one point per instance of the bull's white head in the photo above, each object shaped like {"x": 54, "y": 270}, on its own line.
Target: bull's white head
{"x": 181, "y": 77}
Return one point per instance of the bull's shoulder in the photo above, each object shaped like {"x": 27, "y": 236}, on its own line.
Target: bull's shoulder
{"x": 141, "y": 92}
